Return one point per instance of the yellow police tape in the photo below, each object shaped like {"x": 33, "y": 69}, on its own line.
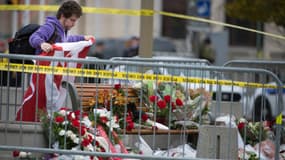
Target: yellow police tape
{"x": 279, "y": 119}
{"x": 80, "y": 72}
{"x": 129, "y": 12}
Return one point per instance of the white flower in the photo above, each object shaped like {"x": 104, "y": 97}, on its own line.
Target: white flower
{"x": 89, "y": 148}
{"x": 137, "y": 85}
{"x": 65, "y": 122}
{"x": 101, "y": 112}
{"x": 242, "y": 120}
{"x": 24, "y": 154}
{"x": 72, "y": 115}
{"x": 69, "y": 133}
{"x": 61, "y": 132}
{"x": 72, "y": 136}
{"x": 112, "y": 124}
{"x": 76, "y": 140}
{"x": 62, "y": 112}
{"x": 86, "y": 121}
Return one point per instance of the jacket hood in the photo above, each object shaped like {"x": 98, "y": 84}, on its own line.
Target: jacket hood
{"x": 55, "y": 21}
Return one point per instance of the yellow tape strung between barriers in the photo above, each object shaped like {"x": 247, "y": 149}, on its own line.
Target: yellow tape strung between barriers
{"x": 129, "y": 12}
{"x": 28, "y": 68}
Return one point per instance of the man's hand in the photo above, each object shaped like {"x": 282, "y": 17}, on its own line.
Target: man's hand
{"x": 88, "y": 37}
{"x": 46, "y": 47}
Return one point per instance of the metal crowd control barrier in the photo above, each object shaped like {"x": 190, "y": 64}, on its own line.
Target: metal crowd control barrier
{"x": 146, "y": 116}
{"x": 166, "y": 60}
{"x": 277, "y": 67}
{"x": 263, "y": 102}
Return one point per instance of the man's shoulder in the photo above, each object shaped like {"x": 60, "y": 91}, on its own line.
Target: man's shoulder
{"x": 51, "y": 22}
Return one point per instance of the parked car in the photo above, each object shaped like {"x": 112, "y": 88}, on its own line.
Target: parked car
{"x": 264, "y": 104}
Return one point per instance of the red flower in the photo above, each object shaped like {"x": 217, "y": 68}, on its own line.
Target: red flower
{"x": 129, "y": 118}
{"x": 241, "y": 125}
{"x": 173, "y": 106}
{"x": 179, "y": 102}
{"x": 75, "y": 123}
{"x": 85, "y": 142}
{"x": 90, "y": 138}
{"x": 161, "y": 104}
{"x": 117, "y": 86}
{"x": 59, "y": 119}
{"x": 64, "y": 109}
{"x": 167, "y": 98}
{"x": 16, "y": 153}
{"x": 69, "y": 116}
{"x": 77, "y": 114}
{"x": 153, "y": 98}
{"x": 104, "y": 119}
{"x": 82, "y": 130}
{"x": 130, "y": 126}
{"x": 144, "y": 117}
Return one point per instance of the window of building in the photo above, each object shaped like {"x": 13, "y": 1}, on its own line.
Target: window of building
{"x": 239, "y": 37}
{"x": 171, "y": 26}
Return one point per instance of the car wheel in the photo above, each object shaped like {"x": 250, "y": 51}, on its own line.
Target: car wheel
{"x": 262, "y": 110}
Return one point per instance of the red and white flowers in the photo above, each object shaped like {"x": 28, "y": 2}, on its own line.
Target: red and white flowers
{"x": 21, "y": 154}
{"x": 73, "y": 130}
{"x": 106, "y": 117}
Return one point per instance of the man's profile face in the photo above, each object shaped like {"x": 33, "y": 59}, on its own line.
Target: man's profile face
{"x": 68, "y": 23}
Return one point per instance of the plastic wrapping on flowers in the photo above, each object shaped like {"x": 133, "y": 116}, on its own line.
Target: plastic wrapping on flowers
{"x": 252, "y": 132}
{"x": 175, "y": 103}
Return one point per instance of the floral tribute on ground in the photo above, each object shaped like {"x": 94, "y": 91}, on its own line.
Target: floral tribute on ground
{"x": 171, "y": 104}
{"x": 152, "y": 106}
{"x": 73, "y": 130}
{"x": 257, "y": 136}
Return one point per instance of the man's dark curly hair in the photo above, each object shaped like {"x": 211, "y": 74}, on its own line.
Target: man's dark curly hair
{"x": 69, "y": 8}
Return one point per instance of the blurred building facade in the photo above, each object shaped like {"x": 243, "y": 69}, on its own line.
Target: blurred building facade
{"x": 244, "y": 44}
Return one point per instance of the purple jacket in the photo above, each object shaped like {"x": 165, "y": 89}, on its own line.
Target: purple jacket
{"x": 45, "y": 32}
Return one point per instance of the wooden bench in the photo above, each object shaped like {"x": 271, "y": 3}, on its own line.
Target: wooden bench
{"x": 87, "y": 95}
